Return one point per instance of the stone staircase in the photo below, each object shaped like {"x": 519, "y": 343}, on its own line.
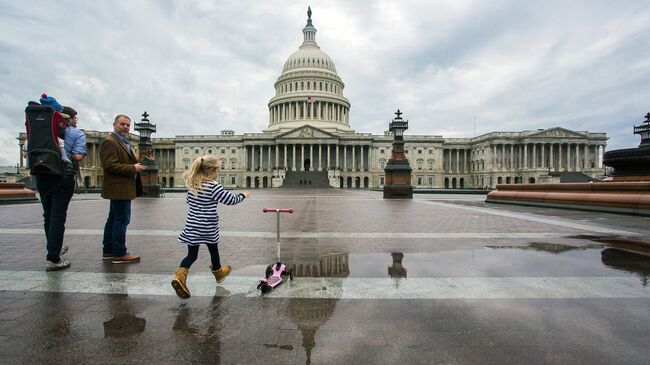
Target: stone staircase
{"x": 310, "y": 179}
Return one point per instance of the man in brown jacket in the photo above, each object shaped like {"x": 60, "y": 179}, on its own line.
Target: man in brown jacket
{"x": 119, "y": 185}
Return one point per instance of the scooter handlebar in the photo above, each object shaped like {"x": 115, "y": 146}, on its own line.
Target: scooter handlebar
{"x": 280, "y": 210}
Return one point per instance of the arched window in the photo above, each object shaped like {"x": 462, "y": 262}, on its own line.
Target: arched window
{"x": 302, "y": 85}
{"x": 320, "y": 86}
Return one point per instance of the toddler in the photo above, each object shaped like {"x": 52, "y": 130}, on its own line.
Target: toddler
{"x": 202, "y": 223}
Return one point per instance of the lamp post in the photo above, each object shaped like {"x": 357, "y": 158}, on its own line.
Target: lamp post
{"x": 398, "y": 170}
{"x": 149, "y": 176}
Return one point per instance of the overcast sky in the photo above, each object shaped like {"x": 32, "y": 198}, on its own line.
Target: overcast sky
{"x": 198, "y": 67}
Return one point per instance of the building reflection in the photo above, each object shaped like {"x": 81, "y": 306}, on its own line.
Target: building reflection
{"x": 636, "y": 264}
{"x": 397, "y": 270}
{"x": 310, "y": 314}
{"x": 124, "y": 325}
{"x": 331, "y": 265}
{"x": 549, "y": 247}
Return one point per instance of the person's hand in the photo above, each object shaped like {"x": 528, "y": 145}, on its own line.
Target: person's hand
{"x": 139, "y": 167}
{"x": 77, "y": 156}
{"x": 246, "y": 194}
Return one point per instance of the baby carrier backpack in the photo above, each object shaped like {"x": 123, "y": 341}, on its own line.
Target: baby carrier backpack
{"x": 44, "y": 128}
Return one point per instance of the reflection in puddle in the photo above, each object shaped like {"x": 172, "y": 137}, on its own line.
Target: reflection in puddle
{"x": 629, "y": 262}
{"x": 124, "y": 325}
{"x": 332, "y": 265}
{"x": 397, "y": 270}
{"x": 550, "y": 247}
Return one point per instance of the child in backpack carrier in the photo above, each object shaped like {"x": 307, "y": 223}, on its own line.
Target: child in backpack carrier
{"x": 51, "y": 101}
{"x": 202, "y": 223}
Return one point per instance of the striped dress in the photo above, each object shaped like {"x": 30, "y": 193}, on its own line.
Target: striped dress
{"x": 202, "y": 224}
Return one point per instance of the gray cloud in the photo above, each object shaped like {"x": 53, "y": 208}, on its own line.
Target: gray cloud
{"x": 202, "y": 66}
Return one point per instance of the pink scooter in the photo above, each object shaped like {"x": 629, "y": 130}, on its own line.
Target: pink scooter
{"x": 274, "y": 272}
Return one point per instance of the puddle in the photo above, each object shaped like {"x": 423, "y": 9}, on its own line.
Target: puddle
{"x": 124, "y": 325}
{"x": 538, "y": 259}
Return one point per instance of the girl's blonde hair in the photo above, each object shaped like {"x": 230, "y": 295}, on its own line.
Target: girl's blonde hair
{"x": 201, "y": 170}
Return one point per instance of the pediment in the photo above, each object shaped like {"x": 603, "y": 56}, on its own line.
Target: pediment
{"x": 557, "y": 132}
{"x": 306, "y": 132}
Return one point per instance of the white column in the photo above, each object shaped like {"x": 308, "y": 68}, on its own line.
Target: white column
{"x": 261, "y": 159}
{"x": 512, "y": 157}
{"x": 293, "y": 167}
{"x": 457, "y": 160}
{"x": 302, "y": 157}
{"x": 285, "y": 157}
{"x": 269, "y": 166}
{"x": 277, "y": 156}
{"x": 354, "y": 153}
{"x": 542, "y": 164}
{"x": 246, "y": 158}
{"x": 345, "y": 157}
{"x": 551, "y": 163}
{"x": 525, "y": 156}
{"x": 585, "y": 156}
{"x": 311, "y": 157}
{"x": 337, "y": 158}
{"x": 320, "y": 157}
{"x": 577, "y": 157}
{"x": 329, "y": 161}
{"x": 362, "y": 159}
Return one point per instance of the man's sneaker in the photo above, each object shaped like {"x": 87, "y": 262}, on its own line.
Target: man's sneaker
{"x": 107, "y": 256}
{"x": 128, "y": 258}
{"x": 64, "y": 249}
{"x": 53, "y": 266}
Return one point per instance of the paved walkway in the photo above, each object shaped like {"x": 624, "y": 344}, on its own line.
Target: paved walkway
{"x": 439, "y": 279}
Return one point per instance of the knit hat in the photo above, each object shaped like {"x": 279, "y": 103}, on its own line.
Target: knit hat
{"x": 51, "y": 101}
{"x": 69, "y": 111}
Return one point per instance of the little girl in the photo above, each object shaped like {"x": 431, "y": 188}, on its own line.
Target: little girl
{"x": 202, "y": 224}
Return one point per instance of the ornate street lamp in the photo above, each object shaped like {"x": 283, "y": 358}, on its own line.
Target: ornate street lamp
{"x": 397, "y": 184}
{"x": 644, "y": 131}
{"x": 149, "y": 176}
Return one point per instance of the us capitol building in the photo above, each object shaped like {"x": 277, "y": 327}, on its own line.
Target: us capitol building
{"x": 309, "y": 137}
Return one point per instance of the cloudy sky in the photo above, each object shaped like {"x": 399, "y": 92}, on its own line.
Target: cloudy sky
{"x": 198, "y": 67}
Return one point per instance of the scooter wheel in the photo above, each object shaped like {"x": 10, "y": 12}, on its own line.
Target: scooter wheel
{"x": 264, "y": 287}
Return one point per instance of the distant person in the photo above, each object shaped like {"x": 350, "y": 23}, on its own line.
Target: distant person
{"x": 119, "y": 184}
{"x": 202, "y": 223}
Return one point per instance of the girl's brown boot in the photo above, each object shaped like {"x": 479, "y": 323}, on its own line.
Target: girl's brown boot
{"x": 221, "y": 274}
{"x": 179, "y": 283}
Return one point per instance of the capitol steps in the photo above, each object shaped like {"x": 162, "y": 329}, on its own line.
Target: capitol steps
{"x": 306, "y": 179}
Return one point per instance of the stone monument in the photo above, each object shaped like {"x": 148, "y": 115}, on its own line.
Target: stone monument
{"x": 397, "y": 184}
{"x": 149, "y": 176}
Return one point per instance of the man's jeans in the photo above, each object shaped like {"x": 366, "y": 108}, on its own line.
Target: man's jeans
{"x": 119, "y": 217}
{"x": 56, "y": 193}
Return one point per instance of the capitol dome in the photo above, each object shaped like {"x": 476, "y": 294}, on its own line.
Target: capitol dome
{"x": 309, "y": 91}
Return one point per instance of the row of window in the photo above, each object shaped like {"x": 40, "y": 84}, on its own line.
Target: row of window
{"x": 211, "y": 150}
{"x": 309, "y": 85}
{"x": 309, "y": 61}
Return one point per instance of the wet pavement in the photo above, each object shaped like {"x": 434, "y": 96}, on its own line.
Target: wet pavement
{"x": 442, "y": 279}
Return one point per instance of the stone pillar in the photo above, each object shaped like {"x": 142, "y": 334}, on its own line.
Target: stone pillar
{"x": 577, "y": 157}
{"x": 543, "y": 164}
{"x": 320, "y": 157}
{"x": 525, "y": 155}
{"x": 269, "y": 166}
{"x": 285, "y": 156}
{"x": 354, "y": 155}
{"x": 457, "y": 160}
{"x": 338, "y": 166}
{"x": 293, "y": 166}
{"x": 512, "y": 156}
{"x": 302, "y": 157}
{"x": 246, "y": 158}
{"x": 534, "y": 164}
{"x": 551, "y": 163}
{"x": 277, "y": 156}
{"x": 261, "y": 158}
{"x": 345, "y": 157}
{"x": 329, "y": 161}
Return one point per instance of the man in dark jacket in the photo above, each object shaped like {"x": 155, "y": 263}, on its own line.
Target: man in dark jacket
{"x": 119, "y": 185}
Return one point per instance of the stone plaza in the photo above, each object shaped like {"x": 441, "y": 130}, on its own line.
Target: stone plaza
{"x": 439, "y": 279}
